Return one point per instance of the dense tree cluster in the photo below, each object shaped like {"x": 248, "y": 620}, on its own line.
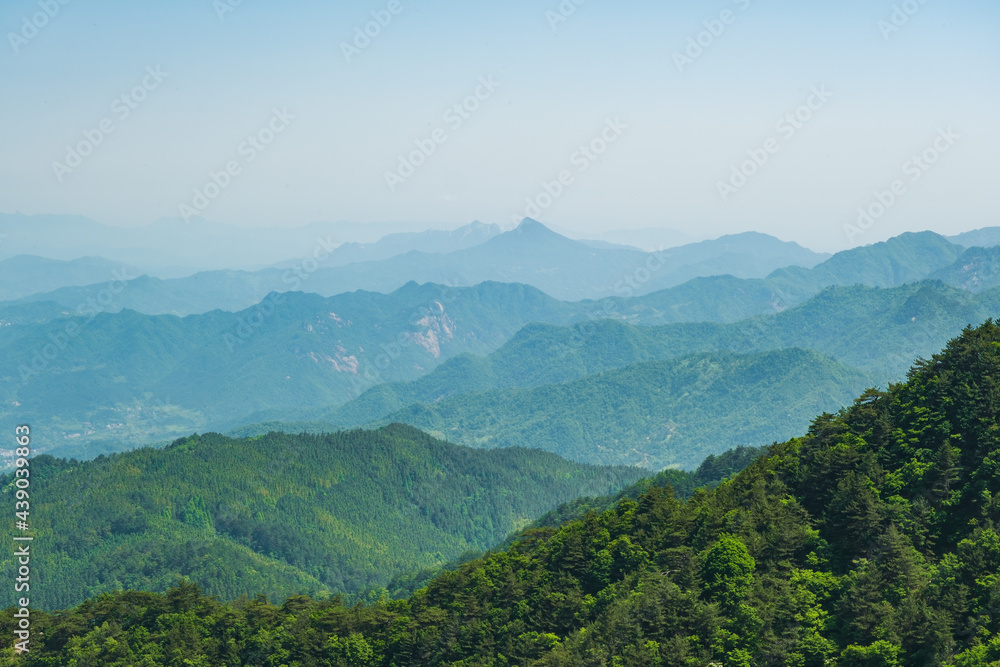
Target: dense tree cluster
{"x": 654, "y": 414}
{"x": 870, "y": 542}
{"x": 282, "y": 514}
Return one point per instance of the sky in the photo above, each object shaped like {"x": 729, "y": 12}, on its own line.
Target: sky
{"x": 588, "y": 115}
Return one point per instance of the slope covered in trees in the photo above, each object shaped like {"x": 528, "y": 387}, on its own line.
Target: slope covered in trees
{"x": 870, "y": 541}
{"x": 89, "y": 371}
{"x": 140, "y": 378}
{"x": 655, "y": 414}
{"x": 878, "y": 331}
{"x": 283, "y": 514}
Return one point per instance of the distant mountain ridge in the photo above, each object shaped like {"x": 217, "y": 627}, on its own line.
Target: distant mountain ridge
{"x": 431, "y": 241}
{"x": 173, "y": 247}
{"x": 977, "y": 270}
{"x": 905, "y": 258}
{"x": 986, "y": 237}
{"x": 531, "y": 254}
{"x": 24, "y": 275}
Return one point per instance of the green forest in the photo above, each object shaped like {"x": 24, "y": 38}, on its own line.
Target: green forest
{"x": 655, "y": 414}
{"x": 611, "y": 392}
{"x": 871, "y": 541}
{"x": 281, "y": 514}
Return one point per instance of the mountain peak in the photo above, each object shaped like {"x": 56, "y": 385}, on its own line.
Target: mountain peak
{"x": 530, "y": 225}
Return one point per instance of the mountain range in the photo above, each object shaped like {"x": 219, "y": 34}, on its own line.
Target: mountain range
{"x": 172, "y": 247}
{"x": 609, "y": 372}
{"x": 720, "y": 280}
{"x": 870, "y": 541}
{"x": 530, "y": 254}
{"x": 339, "y": 362}
{"x": 656, "y": 414}
{"x": 101, "y": 379}
{"x": 126, "y": 375}
{"x": 24, "y": 275}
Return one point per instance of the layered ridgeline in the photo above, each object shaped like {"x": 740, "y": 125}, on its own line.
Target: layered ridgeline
{"x": 135, "y": 377}
{"x": 871, "y": 541}
{"x": 127, "y": 379}
{"x": 878, "y": 331}
{"x": 95, "y": 380}
{"x": 656, "y": 414}
{"x": 282, "y": 514}
{"x": 23, "y": 275}
{"x": 175, "y": 247}
{"x": 735, "y": 276}
{"x": 91, "y": 379}
{"x": 606, "y": 391}
{"x": 531, "y": 254}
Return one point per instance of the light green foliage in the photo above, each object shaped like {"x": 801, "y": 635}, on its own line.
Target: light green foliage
{"x": 283, "y": 514}
{"x": 727, "y": 571}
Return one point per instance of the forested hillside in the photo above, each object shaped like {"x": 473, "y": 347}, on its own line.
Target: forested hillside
{"x": 655, "y": 414}
{"x": 140, "y": 378}
{"x": 876, "y": 331}
{"x": 84, "y": 373}
{"x": 282, "y": 514}
{"x": 870, "y": 541}
{"x": 977, "y": 270}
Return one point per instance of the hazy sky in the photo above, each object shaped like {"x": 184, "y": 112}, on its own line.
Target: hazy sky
{"x": 672, "y": 128}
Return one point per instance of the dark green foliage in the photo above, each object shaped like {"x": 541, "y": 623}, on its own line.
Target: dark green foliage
{"x": 871, "y": 541}
{"x": 712, "y": 470}
{"x": 282, "y": 514}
